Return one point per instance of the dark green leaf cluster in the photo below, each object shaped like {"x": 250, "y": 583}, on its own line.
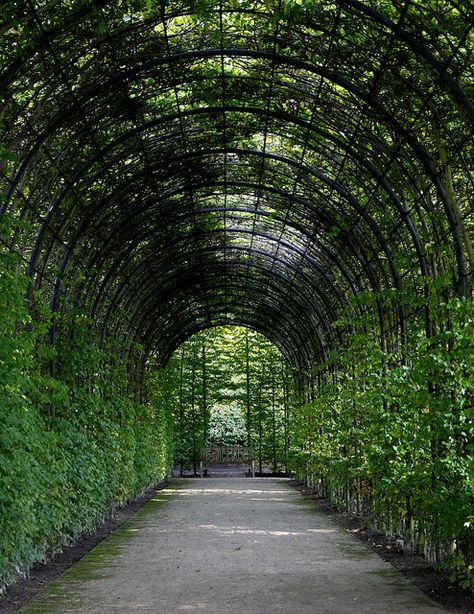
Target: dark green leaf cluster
{"x": 71, "y": 447}
{"x": 391, "y": 436}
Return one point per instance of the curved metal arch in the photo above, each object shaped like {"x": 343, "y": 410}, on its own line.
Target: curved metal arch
{"x": 58, "y": 285}
{"x": 321, "y": 214}
{"x": 284, "y": 159}
{"x": 229, "y": 51}
{"x": 280, "y": 115}
{"x": 221, "y": 267}
{"x": 331, "y": 184}
{"x": 194, "y": 328}
{"x": 116, "y": 263}
{"x": 293, "y": 358}
{"x": 459, "y": 248}
{"x": 188, "y": 271}
{"x": 146, "y": 263}
{"x": 294, "y": 337}
{"x": 153, "y": 292}
{"x": 290, "y": 246}
{"x": 416, "y": 45}
{"x": 114, "y": 267}
{"x": 419, "y": 49}
{"x": 121, "y": 286}
{"x": 287, "y": 337}
{"x": 301, "y": 120}
{"x": 229, "y": 267}
{"x": 279, "y": 59}
{"x": 291, "y": 314}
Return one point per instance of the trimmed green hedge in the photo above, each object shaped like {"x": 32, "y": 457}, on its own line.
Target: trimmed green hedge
{"x": 69, "y": 450}
{"x": 392, "y": 436}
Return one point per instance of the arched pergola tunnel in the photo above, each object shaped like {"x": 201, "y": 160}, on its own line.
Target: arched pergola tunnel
{"x": 170, "y": 167}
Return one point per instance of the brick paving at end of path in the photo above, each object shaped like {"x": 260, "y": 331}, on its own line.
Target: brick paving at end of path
{"x": 230, "y": 545}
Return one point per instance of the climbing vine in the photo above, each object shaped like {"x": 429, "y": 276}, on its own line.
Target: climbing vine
{"x": 391, "y": 435}
{"x": 73, "y": 444}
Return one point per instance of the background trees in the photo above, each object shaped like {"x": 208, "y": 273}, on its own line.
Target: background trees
{"x": 230, "y": 387}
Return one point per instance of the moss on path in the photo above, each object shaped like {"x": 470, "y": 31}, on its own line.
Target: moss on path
{"x": 230, "y": 545}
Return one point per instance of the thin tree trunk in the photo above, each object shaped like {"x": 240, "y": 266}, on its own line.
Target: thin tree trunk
{"x": 193, "y": 414}
{"x": 274, "y": 424}
{"x": 286, "y": 430}
{"x": 260, "y": 421}
{"x": 181, "y": 412}
{"x": 247, "y": 372}
{"x": 205, "y": 417}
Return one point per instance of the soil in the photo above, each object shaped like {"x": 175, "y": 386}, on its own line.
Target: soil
{"x": 433, "y": 582}
{"x": 40, "y": 574}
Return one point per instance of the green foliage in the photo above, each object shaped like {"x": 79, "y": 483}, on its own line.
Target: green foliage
{"x": 227, "y": 426}
{"x": 70, "y": 448}
{"x": 229, "y": 386}
{"x": 389, "y": 431}
{"x": 392, "y": 437}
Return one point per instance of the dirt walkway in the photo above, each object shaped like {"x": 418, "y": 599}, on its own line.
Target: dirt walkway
{"x": 230, "y": 545}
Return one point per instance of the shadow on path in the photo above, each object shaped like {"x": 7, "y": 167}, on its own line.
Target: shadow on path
{"x": 230, "y": 545}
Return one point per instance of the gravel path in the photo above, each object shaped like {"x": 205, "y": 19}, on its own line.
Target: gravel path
{"x": 230, "y": 545}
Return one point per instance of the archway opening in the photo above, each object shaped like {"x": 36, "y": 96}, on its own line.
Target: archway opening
{"x": 229, "y": 387}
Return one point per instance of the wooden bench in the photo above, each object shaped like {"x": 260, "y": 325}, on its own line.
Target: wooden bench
{"x": 227, "y": 456}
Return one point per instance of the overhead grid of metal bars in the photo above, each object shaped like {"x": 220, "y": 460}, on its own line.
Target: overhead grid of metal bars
{"x": 188, "y": 164}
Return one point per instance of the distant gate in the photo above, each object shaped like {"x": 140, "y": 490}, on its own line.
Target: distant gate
{"x": 229, "y": 455}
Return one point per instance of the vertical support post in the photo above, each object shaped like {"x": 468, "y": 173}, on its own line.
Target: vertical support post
{"x": 274, "y": 468}
{"x": 253, "y": 469}
{"x": 200, "y": 470}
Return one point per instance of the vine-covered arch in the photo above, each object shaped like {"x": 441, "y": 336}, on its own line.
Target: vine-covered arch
{"x": 301, "y": 168}
{"x": 185, "y": 160}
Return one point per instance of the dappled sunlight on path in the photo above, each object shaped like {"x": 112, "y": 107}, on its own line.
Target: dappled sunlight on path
{"x": 230, "y": 545}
